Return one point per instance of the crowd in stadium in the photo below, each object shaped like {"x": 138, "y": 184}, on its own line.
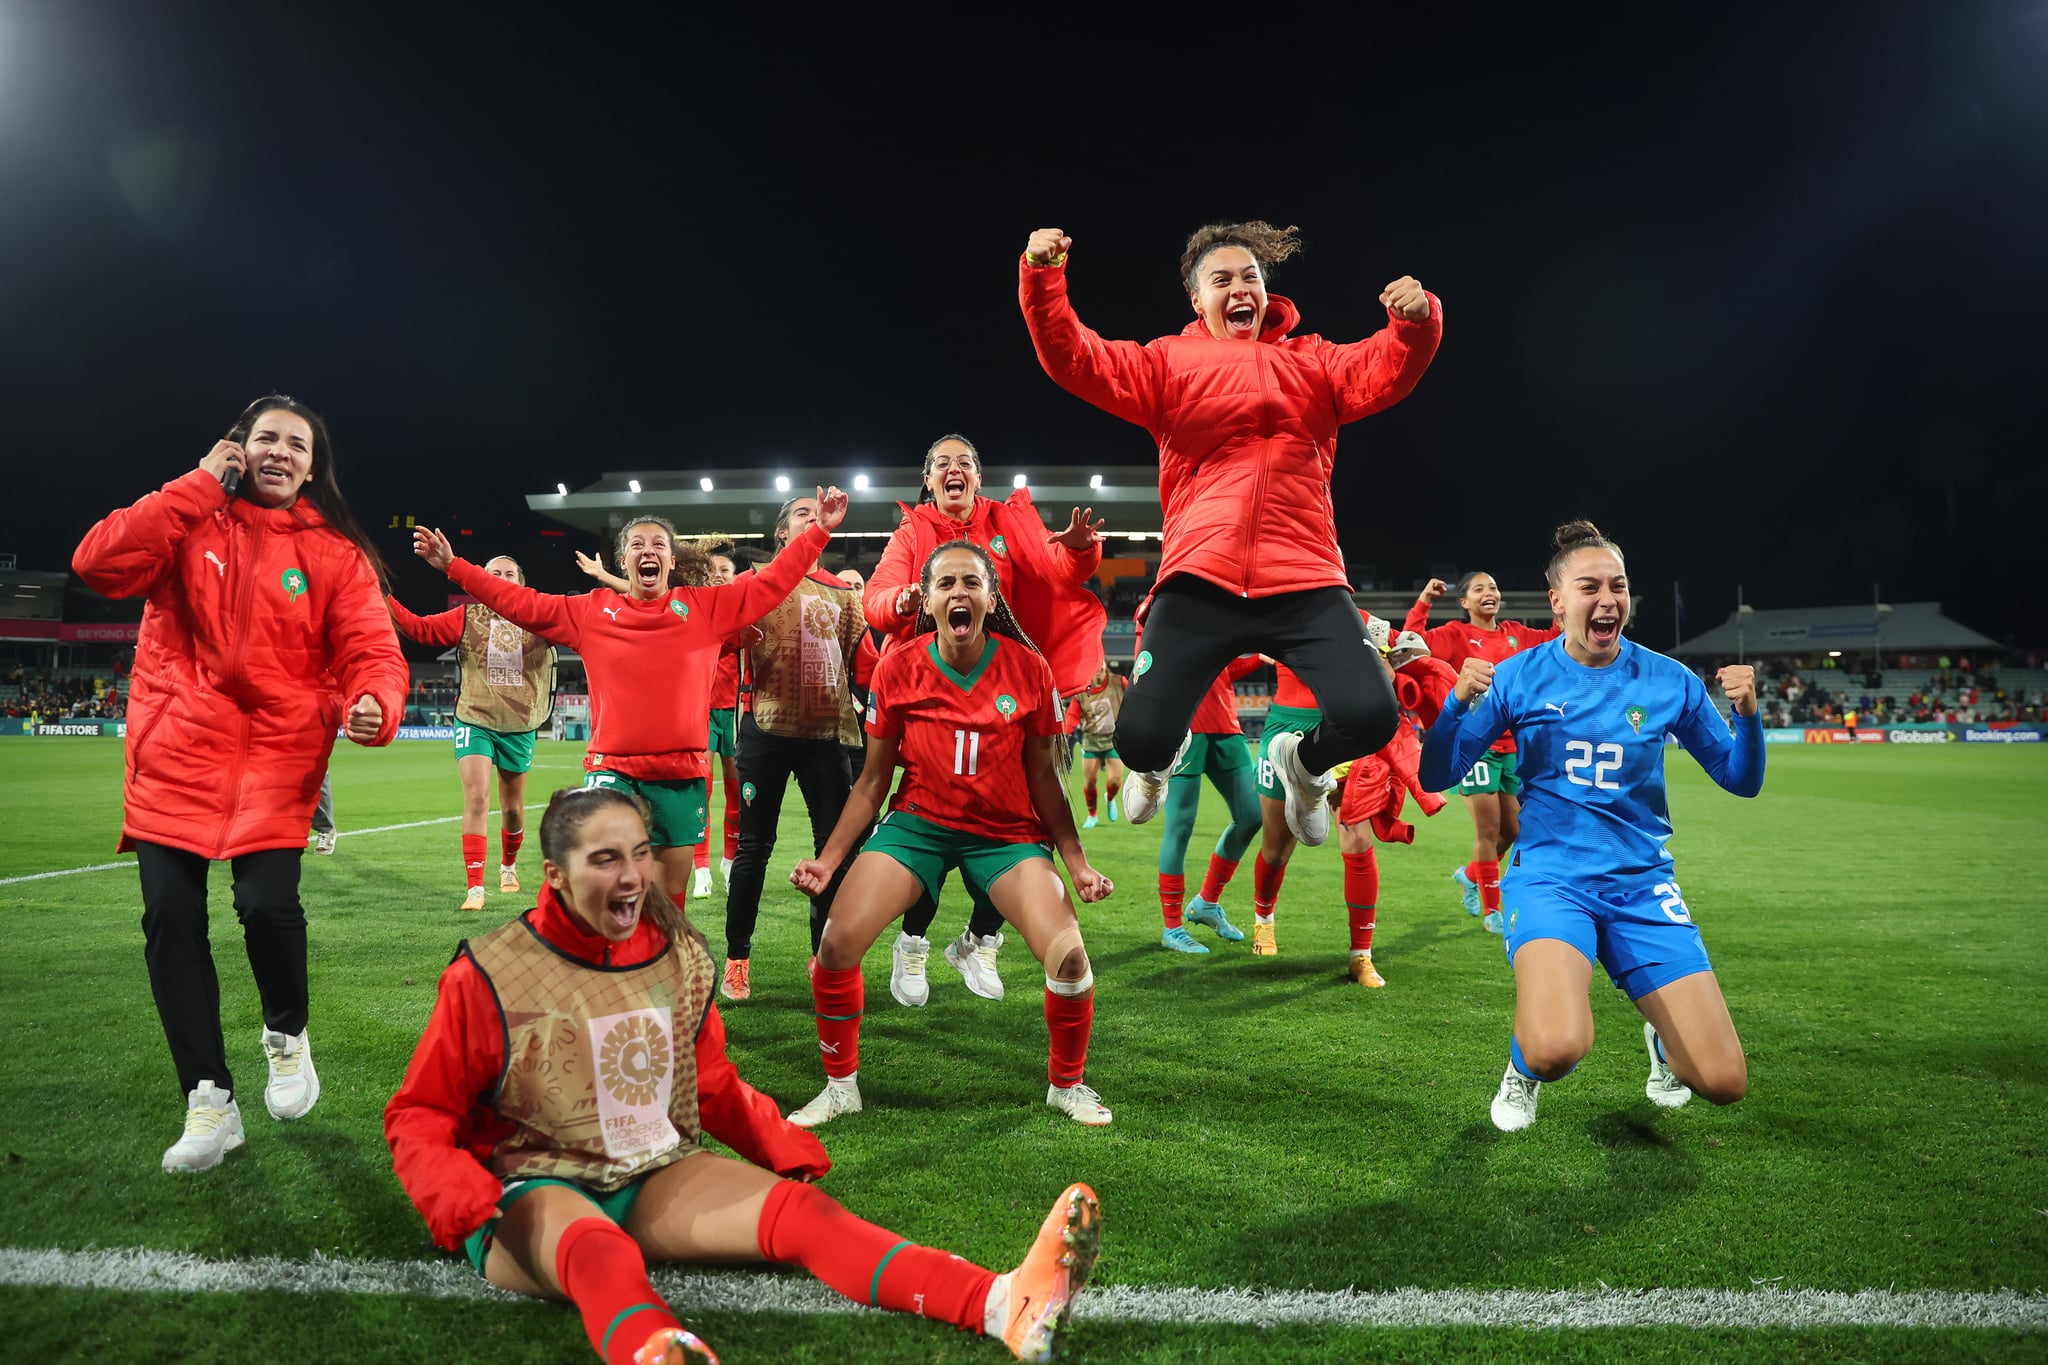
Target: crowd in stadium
{"x": 43, "y": 694}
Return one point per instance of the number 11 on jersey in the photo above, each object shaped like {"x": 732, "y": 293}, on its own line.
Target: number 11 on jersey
{"x": 966, "y": 752}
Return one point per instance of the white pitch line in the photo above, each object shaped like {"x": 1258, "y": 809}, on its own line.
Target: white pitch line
{"x": 339, "y": 834}
{"x": 758, "y": 1292}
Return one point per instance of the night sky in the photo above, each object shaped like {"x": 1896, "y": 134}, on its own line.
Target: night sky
{"x": 1761, "y": 295}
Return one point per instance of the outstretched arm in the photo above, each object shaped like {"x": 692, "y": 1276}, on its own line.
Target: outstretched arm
{"x": 1384, "y": 368}
{"x": 1122, "y": 378}
{"x": 594, "y": 566}
{"x": 442, "y": 628}
{"x": 812, "y": 875}
{"x": 554, "y": 617}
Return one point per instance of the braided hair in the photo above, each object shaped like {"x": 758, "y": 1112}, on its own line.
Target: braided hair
{"x": 999, "y": 621}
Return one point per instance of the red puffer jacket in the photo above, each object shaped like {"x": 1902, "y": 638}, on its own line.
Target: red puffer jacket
{"x": 1247, "y": 432}
{"x": 262, "y": 627}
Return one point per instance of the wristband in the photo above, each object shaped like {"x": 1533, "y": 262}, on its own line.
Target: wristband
{"x": 1060, "y": 259}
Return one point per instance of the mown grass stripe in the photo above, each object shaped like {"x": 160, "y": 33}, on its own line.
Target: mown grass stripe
{"x": 761, "y": 1292}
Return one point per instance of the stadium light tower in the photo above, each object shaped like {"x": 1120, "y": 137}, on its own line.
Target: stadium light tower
{"x": 563, "y": 489}
{"x": 705, "y": 483}
{"x": 1019, "y": 481}
{"x": 860, "y": 483}
{"x": 782, "y": 483}
{"x": 1095, "y": 481}
{"x": 633, "y": 485}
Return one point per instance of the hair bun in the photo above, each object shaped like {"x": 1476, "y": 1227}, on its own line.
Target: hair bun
{"x": 1573, "y": 534}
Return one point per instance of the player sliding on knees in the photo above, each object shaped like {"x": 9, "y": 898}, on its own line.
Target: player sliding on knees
{"x": 551, "y": 1125}
{"x": 965, "y": 708}
{"x": 1246, "y": 418}
{"x": 1591, "y": 879}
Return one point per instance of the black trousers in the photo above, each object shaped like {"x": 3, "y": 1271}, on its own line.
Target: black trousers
{"x": 1195, "y": 628}
{"x": 181, "y": 974}
{"x": 766, "y": 763}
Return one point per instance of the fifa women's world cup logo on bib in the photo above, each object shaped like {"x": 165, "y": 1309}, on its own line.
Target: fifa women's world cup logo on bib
{"x": 505, "y": 655}
{"x": 635, "y": 1074}
{"x": 819, "y": 631}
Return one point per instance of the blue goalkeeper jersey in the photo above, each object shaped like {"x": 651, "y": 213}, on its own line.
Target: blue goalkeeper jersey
{"x": 1592, "y": 756}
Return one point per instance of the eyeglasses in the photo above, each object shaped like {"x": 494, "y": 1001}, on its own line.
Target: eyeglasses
{"x": 950, "y": 462}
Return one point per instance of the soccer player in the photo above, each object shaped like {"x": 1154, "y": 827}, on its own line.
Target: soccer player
{"x": 1099, "y": 703}
{"x": 1492, "y": 789}
{"x": 1042, "y": 574}
{"x": 647, "y": 654}
{"x": 1592, "y": 879}
{"x": 1246, "y": 419}
{"x": 563, "y": 1179}
{"x": 798, "y": 715}
{"x": 506, "y": 690}
{"x": 966, "y": 710}
{"x": 1215, "y": 749}
{"x": 263, "y": 631}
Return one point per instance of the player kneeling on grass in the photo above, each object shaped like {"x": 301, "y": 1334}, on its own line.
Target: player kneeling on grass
{"x": 550, "y": 1124}
{"x": 1591, "y": 878}
{"x": 966, "y": 709}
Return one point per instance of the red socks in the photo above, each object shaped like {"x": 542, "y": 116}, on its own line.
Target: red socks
{"x": 1361, "y": 896}
{"x": 604, "y": 1274}
{"x": 1068, "y": 1021}
{"x": 1266, "y": 880}
{"x": 840, "y": 998}
{"x": 475, "y": 847}
{"x": 509, "y": 841}
{"x": 732, "y": 820}
{"x": 1487, "y": 875}
{"x": 1221, "y": 870}
{"x": 1172, "y": 887}
{"x": 700, "y": 860}
{"x": 1088, "y": 795}
{"x": 1114, "y": 787}
{"x": 802, "y": 1225}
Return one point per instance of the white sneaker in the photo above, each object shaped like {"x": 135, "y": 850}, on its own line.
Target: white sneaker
{"x": 324, "y": 843}
{"x": 725, "y": 872}
{"x": 838, "y": 1097}
{"x": 907, "y": 981}
{"x": 294, "y": 1086}
{"x": 1144, "y": 793}
{"x": 700, "y": 884}
{"x": 1514, "y": 1108}
{"x": 1078, "y": 1103}
{"x": 975, "y": 960}
{"x": 1308, "y": 810}
{"x": 1664, "y": 1089}
{"x": 213, "y": 1128}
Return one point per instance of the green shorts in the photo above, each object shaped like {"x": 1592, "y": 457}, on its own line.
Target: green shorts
{"x": 677, "y": 808}
{"x": 724, "y": 725}
{"x": 1097, "y": 749}
{"x": 1282, "y": 720}
{"x": 1213, "y": 755}
{"x": 508, "y": 753}
{"x": 617, "y": 1206}
{"x": 930, "y": 851}
{"x": 1493, "y": 774}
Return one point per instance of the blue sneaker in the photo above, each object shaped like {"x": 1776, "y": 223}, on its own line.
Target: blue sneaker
{"x": 1112, "y": 810}
{"x": 1209, "y": 915}
{"x": 1178, "y": 939}
{"x": 1091, "y": 822}
{"x": 1492, "y": 922}
{"x": 1470, "y": 889}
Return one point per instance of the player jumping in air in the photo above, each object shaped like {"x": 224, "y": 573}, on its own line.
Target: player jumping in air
{"x": 1246, "y": 419}
{"x": 551, "y": 1125}
{"x": 965, "y": 708}
{"x": 1591, "y": 879}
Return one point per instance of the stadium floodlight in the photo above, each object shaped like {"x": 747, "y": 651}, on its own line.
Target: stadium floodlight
{"x": 705, "y": 483}
{"x": 782, "y": 483}
{"x": 563, "y": 489}
{"x": 1834, "y": 654}
{"x": 1020, "y": 481}
{"x": 633, "y": 484}
{"x": 860, "y": 483}
{"x": 1095, "y": 481}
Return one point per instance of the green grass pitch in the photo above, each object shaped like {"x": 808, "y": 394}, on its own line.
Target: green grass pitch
{"x": 1872, "y": 918}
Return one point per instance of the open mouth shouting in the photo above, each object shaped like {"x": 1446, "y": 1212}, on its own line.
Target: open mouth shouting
{"x": 1242, "y": 319}
{"x": 621, "y": 914}
{"x": 1603, "y": 630}
{"x": 647, "y": 571}
{"x": 960, "y": 621}
{"x": 956, "y": 486}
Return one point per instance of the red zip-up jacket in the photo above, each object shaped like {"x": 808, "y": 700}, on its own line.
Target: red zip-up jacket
{"x": 262, "y": 626}
{"x": 441, "y": 1127}
{"x": 650, "y": 663}
{"x": 1247, "y": 431}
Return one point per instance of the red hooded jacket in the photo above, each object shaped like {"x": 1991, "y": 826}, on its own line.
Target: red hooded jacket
{"x": 1040, "y": 577}
{"x": 1247, "y": 431}
{"x": 262, "y": 627}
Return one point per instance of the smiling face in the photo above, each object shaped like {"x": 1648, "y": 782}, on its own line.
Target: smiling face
{"x": 507, "y": 568}
{"x": 957, "y": 594}
{"x": 797, "y": 516}
{"x": 603, "y": 880}
{"x": 1592, "y": 600}
{"x": 645, "y": 557}
{"x": 722, "y": 570}
{"x": 1230, "y": 294}
{"x": 854, "y": 579}
{"x": 1481, "y": 598}
{"x": 280, "y": 447}
{"x": 953, "y": 473}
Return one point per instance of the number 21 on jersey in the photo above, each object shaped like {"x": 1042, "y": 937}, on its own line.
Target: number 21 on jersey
{"x": 1605, "y": 761}
{"x": 966, "y": 752}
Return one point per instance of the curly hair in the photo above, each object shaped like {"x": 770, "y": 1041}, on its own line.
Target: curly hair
{"x": 1269, "y": 246}
{"x": 692, "y": 564}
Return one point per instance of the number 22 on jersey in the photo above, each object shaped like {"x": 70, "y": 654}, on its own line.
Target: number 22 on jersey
{"x": 1605, "y": 761}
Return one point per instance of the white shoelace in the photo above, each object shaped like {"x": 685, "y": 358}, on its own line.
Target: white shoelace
{"x": 913, "y": 961}
{"x": 203, "y": 1122}
{"x": 284, "y": 1061}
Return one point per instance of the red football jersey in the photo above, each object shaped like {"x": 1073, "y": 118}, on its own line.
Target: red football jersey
{"x": 1460, "y": 640}
{"x": 961, "y": 737}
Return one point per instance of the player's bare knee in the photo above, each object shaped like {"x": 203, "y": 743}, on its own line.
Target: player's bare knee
{"x": 1723, "y": 1083}
{"x": 1552, "y": 1054}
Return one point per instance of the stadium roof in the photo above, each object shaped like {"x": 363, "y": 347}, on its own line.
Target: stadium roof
{"x": 740, "y": 504}
{"x": 1803, "y": 630}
